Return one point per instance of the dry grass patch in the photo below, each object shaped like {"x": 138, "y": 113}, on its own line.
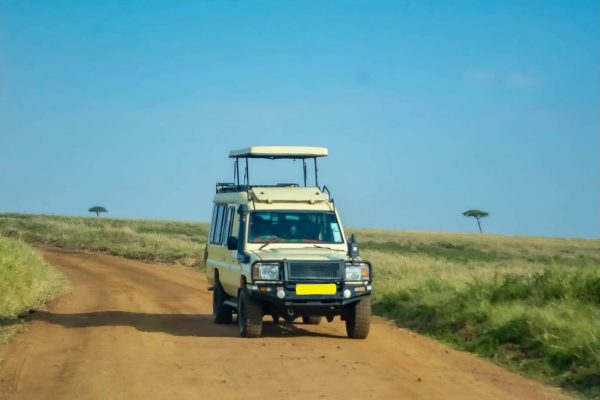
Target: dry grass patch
{"x": 25, "y": 281}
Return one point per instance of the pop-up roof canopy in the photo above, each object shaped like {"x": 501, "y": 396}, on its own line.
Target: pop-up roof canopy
{"x": 274, "y": 152}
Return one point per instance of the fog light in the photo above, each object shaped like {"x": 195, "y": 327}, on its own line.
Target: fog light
{"x": 347, "y": 293}
{"x": 280, "y": 294}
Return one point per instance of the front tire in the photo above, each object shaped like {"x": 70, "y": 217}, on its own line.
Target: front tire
{"x": 358, "y": 320}
{"x": 249, "y": 316}
{"x": 222, "y": 314}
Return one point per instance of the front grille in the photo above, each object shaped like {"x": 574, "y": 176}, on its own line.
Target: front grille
{"x": 313, "y": 270}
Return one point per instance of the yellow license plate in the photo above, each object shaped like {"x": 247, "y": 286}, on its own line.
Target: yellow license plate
{"x": 316, "y": 288}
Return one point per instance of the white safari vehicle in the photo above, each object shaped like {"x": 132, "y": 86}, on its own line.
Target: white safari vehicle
{"x": 280, "y": 250}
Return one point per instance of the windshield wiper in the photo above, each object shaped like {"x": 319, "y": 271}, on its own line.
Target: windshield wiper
{"x": 268, "y": 243}
{"x": 323, "y": 247}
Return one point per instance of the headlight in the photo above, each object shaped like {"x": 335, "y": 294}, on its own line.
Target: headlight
{"x": 265, "y": 272}
{"x": 357, "y": 272}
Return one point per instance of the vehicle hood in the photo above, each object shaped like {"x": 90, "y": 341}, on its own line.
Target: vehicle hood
{"x": 313, "y": 254}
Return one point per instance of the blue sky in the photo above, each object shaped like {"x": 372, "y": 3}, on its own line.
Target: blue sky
{"x": 428, "y": 108}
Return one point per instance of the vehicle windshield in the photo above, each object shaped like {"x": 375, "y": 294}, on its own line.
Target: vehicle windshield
{"x": 294, "y": 227}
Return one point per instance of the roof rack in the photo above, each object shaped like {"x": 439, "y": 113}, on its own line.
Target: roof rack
{"x": 228, "y": 187}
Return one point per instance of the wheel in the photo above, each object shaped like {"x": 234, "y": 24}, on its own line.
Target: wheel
{"x": 358, "y": 319}
{"x": 222, "y": 314}
{"x": 311, "y": 320}
{"x": 249, "y": 316}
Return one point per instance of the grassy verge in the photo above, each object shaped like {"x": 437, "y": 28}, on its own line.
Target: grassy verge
{"x": 152, "y": 241}
{"x": 25, "y": 281}
{"x": 530, "y": 304}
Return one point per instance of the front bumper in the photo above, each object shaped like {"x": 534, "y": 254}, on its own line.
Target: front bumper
{"x": 345, "y": 293}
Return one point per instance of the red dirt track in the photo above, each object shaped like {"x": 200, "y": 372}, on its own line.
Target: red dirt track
{"x": 129, "y": 330}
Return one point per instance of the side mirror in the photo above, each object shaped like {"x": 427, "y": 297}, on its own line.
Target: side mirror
{"x": 353, "y": 250}
{"x": 232, "y": 243}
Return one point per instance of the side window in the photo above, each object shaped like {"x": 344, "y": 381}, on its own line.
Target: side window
{"x": 224, "y": 228}
{"x": 211, "y": 234}
{"x": 228, "y": 226}
{"x": 231, "y": 218}
{"x": 215, "y": 237}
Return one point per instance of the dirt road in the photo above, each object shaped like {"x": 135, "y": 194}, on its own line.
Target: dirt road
{"x": 130, "y": 330}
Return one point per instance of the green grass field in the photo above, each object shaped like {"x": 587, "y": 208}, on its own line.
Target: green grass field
{"x": 25, "y": 281}
{"x": 530, "y": 304}
{"x": 153, "y": 241}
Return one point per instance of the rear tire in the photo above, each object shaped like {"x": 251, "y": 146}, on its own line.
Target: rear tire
{"x": 222, "y": 314}
{"x": 249, "y": 316}
{"x": 312, "y": 320}
{"x": 358, "y": 319}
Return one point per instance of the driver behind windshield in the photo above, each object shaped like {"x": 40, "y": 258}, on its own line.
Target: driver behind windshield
{"x": 291, "y": 227}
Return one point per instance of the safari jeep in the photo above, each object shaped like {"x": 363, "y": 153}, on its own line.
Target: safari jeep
{"x": 280, "y": 250}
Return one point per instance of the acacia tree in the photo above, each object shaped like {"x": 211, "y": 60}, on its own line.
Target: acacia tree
{"x": 477, "y": 214}
{"x": 97, "y": 210}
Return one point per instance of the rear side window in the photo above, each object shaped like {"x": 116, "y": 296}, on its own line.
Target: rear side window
{"x": 217, "y": 224}
{"x": 213, "y": 221}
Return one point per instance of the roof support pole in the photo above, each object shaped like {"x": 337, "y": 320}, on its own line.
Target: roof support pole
{"x": 236, "y": 172}
{"x": 316, "y": 172}
{"x": 246, "y": 175}
{"x": 304, "y": 170}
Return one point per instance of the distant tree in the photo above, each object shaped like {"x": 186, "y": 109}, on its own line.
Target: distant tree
{"x": 98, "y": 210}
{"x": 477, "y": 214}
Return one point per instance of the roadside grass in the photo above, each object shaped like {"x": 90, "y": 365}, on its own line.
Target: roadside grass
{"x": 25, "y": 281}
{"x": 153, "y": 241}
{"x": 531, "y": 304}
{"x": 533, "y": 309}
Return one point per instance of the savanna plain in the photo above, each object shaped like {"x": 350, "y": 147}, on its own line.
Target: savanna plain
{"x": 529, "y": 304}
